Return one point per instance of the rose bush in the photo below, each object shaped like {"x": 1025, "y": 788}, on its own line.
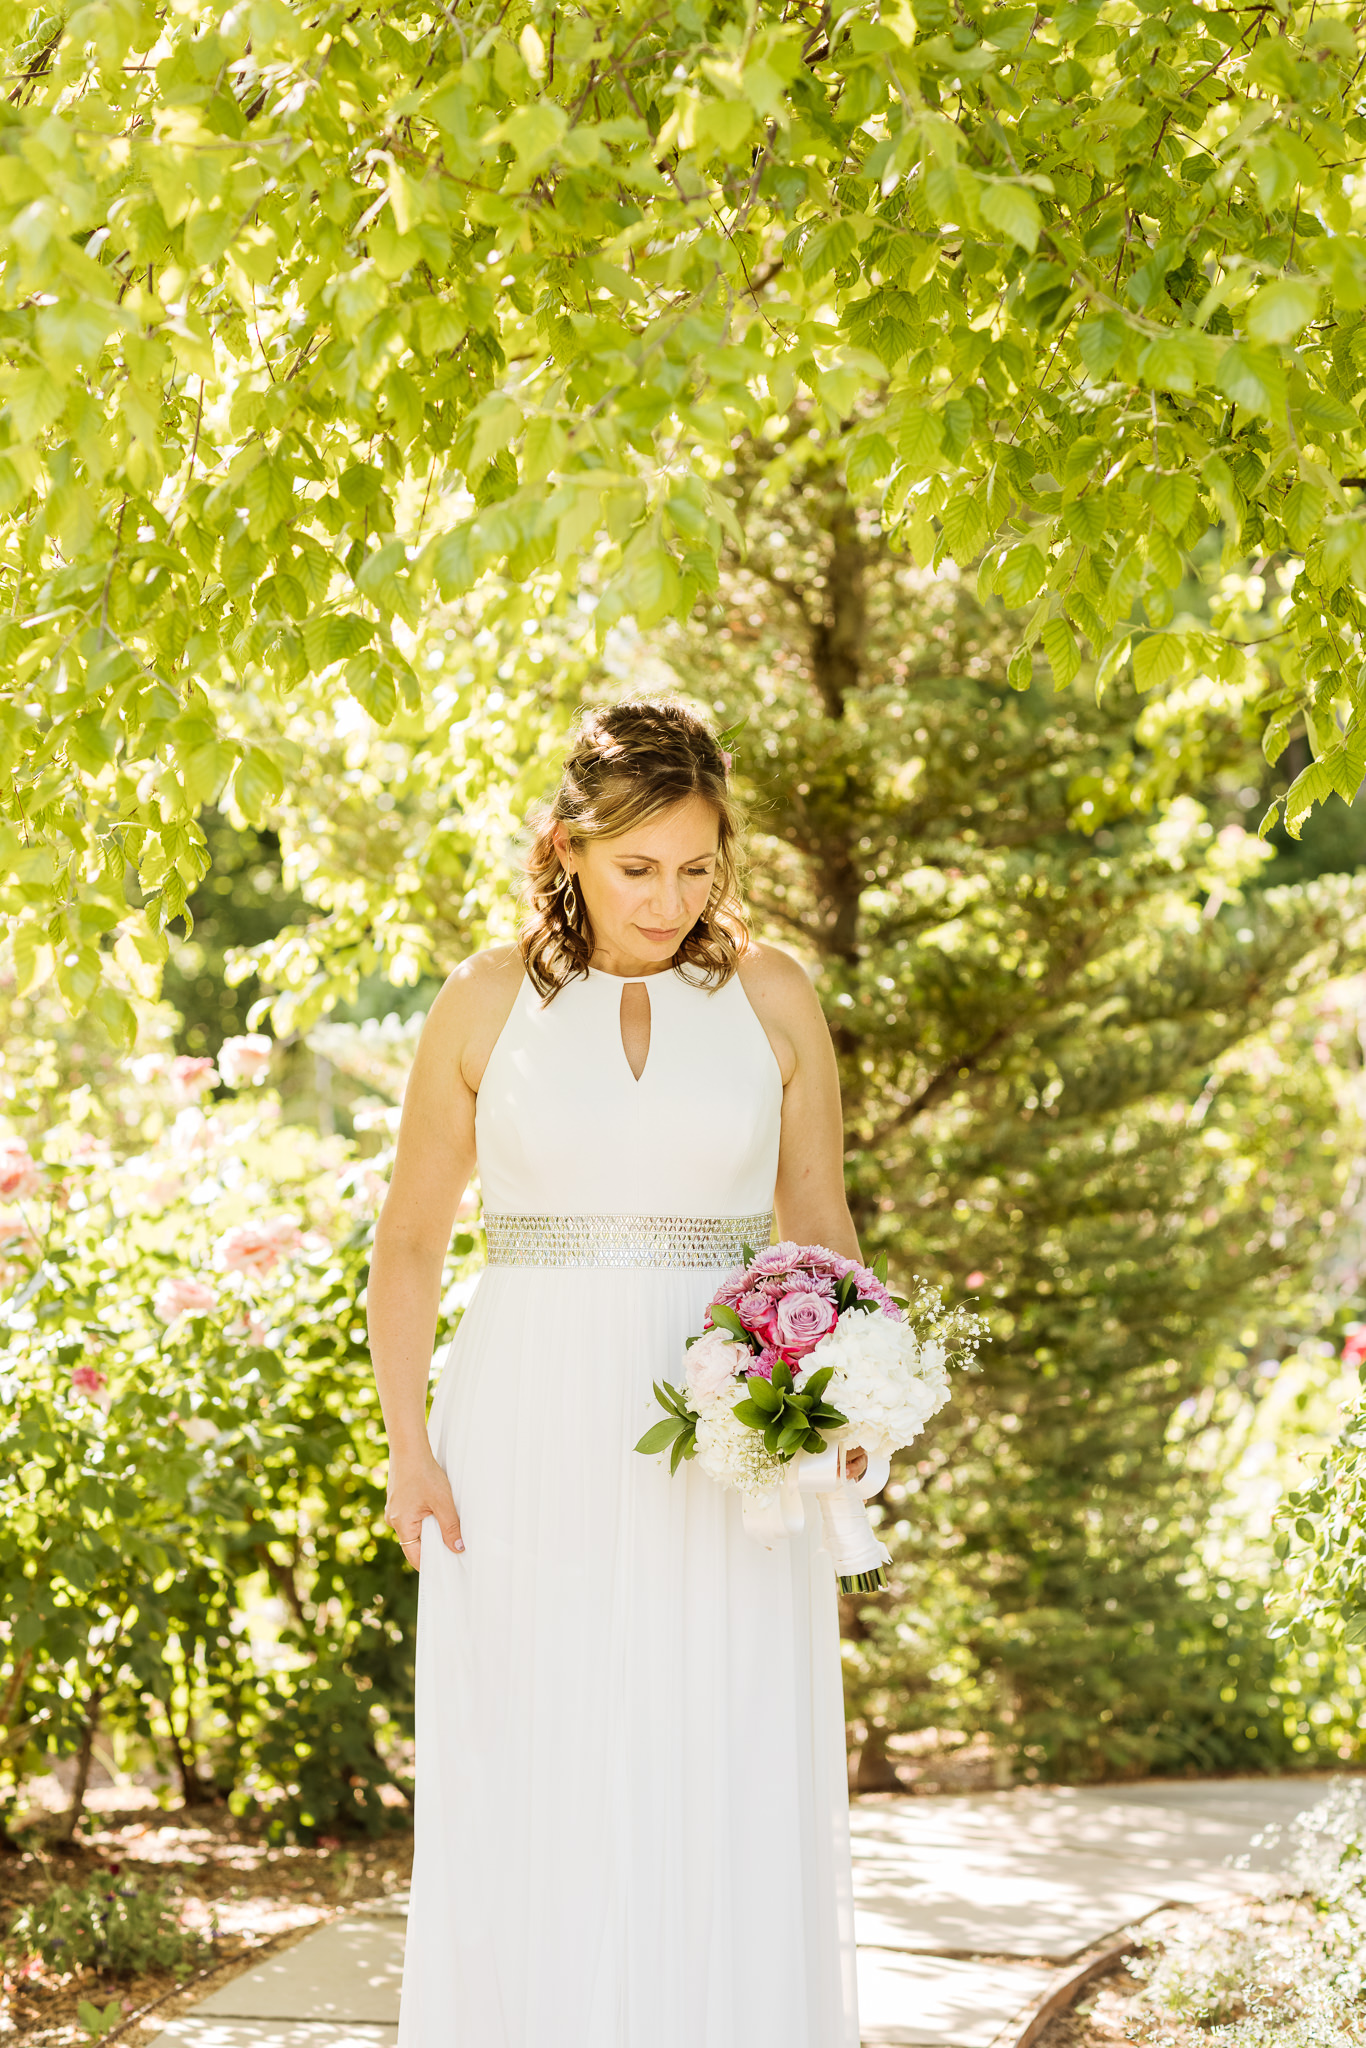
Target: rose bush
{"x": 192, "y": 1549}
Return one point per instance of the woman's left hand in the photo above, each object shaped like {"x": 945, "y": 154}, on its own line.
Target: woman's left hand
{"x": 855, "y": 1462}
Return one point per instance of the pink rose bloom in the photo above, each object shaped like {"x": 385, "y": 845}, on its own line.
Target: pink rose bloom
{"x": 88, "y": 1379}
{"x": 256, "y": 1248}
{"x": 755, "y": 1309}
{"x": 190, "y": 1077}
{"x": 245, "y": 1058}
{"x": 19, "y": 1174}
{"x": 803, "y": 1319}
{"x": 249, "y": 1248}
{"x": 180, "y": 1294}
{"x": 711, "y": 1363}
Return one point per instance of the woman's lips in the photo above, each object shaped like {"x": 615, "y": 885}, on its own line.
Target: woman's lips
{"x": 646, "y": 933}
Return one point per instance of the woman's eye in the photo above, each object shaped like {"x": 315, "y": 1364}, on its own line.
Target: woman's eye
{"x": 633, "y": 872}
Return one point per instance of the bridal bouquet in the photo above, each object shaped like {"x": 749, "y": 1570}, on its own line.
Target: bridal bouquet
{"x": 801, "y": 1353}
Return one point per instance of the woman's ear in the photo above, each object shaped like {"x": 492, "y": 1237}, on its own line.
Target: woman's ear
{"x": 560, "y": 840}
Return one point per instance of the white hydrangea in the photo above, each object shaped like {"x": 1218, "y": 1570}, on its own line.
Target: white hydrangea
{"x": 887, "y": 1383}
{"x": 733, "y": 1454}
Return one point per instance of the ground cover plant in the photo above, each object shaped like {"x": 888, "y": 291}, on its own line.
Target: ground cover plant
{"x": 226, "y": 1893}
{"x": 1289, "y": 1972}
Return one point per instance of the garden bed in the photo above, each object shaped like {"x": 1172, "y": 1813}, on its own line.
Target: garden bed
{"x": 235, "y": 1894}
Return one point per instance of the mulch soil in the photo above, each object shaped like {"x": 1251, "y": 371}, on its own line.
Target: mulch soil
{"x": 1103, "y": 2016}
{"x": 247, "y": 1895}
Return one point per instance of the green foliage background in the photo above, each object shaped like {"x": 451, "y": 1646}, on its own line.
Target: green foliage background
{"x": 969, "y": 403}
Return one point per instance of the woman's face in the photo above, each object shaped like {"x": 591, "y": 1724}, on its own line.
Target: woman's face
{"x": 645, "y": 890}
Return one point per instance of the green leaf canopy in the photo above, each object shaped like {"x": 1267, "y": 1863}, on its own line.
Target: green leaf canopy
{"x": 310, "y": 315}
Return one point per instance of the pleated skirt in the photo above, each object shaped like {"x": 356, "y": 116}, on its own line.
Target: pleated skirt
{"x": 632, "y": 1811}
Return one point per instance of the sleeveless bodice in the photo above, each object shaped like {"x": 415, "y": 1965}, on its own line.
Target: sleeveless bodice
{"x": 563, "y": 1127}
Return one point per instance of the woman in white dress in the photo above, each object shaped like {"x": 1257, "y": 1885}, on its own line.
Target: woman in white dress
{"x": 632, "y": 1824}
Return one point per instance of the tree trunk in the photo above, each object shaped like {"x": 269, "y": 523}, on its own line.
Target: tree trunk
{"x": 66, "y": 1834}
{"x": 876, "y": 1771}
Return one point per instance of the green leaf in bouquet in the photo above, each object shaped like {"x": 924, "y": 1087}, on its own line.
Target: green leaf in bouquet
{"x": 819, "y": 1381}
{"x": 662, "y": 1433}
{"x": 846, "y": 1292}
{"x": 684, "y": 1448}
{"x": 726, "y": 1319}
{"x": 747, "y": 1255}
{"x": 815, "y": 1443}
{"x": 879, "y": 1268}
{"x": 751, "y": 1414}
{"x": 771, "y": 1435}
{"x": 763, "y": 1394}
{"x": 901, "y": 1301}
{"x": 782, "y": 1376}
{"x": 792, "y": 1438}
{"x": 825, "y": 1417}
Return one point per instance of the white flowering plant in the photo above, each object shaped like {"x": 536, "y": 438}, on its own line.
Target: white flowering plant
{"x": 822, "y": 1356}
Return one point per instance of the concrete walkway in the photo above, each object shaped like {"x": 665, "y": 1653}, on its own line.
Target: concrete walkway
{"x": 967, "y": 1908}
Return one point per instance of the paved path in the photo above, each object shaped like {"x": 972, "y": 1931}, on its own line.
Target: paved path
{"x": 968, "y": 1906}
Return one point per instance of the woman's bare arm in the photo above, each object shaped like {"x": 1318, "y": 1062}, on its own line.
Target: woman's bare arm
{"x": 434, "y": 1161}
{"x": 810, "y": 1200}
{"x": 810, "y": 1203}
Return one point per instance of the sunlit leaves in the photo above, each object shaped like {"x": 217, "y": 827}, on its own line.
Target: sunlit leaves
{"x": 344, "y": 311}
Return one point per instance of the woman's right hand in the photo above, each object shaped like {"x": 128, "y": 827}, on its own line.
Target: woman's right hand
{"x": 417, "y": 1488}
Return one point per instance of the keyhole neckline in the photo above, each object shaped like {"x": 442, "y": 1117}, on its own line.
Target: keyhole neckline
{"x": 628, "y": 980}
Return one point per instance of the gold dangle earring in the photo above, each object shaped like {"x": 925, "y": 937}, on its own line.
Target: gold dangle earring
{"x": 571, "y": 901}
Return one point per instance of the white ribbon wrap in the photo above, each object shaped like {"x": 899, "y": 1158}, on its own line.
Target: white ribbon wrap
{"x": 847, "y": 1533}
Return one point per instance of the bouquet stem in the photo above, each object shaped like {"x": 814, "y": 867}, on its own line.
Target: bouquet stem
{"x": 856, "y": 1552}
{"x": 865, "y": 1582}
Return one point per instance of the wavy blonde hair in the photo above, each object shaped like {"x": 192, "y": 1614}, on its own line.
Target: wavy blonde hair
{"x": 626, "y": 763}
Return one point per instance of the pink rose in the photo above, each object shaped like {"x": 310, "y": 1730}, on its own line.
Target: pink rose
{"x": 256, "y": 1248}
{"x": 803, "y": 1319}
{"x": 19, "y": 1174}
{"x": 755, "y": 1311}
{"x": 245, "y": 1058}
{"x": 190, "y": 1077}
{"x": 711, "y": 1365}
{"x": 88, "y": 1379}
{"x": 180, "y": 1294}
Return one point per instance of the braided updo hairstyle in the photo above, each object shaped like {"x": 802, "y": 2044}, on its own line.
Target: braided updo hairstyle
{"x": 626, "y": 763}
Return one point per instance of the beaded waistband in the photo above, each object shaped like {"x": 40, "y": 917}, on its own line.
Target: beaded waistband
{"x": 623, "y": 1240}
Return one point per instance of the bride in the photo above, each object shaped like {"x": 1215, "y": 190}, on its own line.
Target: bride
{"x": 632, "y": 1825}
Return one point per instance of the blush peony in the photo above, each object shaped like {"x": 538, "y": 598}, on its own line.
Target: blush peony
{"x": 710, "y": 1366}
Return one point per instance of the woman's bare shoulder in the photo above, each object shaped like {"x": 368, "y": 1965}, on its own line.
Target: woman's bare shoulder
{"x": 782, "y": 998}
{"x": 474, "y": 1004}
{"x": 775, "y": 978}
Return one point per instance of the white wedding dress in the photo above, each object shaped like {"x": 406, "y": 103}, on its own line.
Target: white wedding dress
{"x": 632, "y": 1824}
